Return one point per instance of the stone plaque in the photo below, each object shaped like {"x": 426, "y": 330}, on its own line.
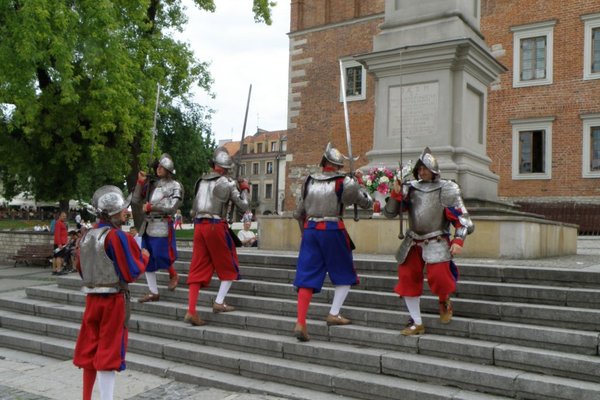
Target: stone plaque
{"x": 413, "y": 110}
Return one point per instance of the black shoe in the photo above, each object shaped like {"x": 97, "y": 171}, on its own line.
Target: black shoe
{"x": 54, "y": 273}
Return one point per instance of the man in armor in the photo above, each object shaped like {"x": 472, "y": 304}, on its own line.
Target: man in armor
{"x": 159, "y": 200}
{"x": 109, "y": 260}
{"x": 433, "y": 204}
{"x": 326, "y": 246}
{"x": 214, "y": 247}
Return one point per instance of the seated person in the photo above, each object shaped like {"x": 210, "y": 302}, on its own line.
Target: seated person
{"x": 246, "y": 236}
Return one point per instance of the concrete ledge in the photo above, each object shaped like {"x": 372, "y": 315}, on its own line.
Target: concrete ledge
{"x": 494, "y": 236}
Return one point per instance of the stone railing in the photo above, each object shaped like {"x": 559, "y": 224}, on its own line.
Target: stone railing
{"x": 12, "y": 241}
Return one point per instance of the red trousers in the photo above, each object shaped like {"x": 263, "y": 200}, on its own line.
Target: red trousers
{"x": 410, "y": 276}
{"x": 213, "y": 250}
{"x": 102, "y": 340}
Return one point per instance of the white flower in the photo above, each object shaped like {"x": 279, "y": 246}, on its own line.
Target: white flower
{"x": 369, "y": 181}
{"x": 384, "y": 179}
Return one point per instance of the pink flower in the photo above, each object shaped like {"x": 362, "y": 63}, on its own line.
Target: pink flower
{"x": 383, "y": 188}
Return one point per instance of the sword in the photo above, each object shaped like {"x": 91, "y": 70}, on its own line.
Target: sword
{"x": 137, "y": 212}
{"x": 347, "y": 122}
{"x": 238, "y": 167}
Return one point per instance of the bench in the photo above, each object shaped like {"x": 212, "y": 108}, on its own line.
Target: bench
{"x": 38, "y": 254}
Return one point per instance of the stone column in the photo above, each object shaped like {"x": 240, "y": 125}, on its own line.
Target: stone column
{"x": 432, "y": 70}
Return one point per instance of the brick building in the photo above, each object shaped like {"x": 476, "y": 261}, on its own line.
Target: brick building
{"x": 543, "y": 126}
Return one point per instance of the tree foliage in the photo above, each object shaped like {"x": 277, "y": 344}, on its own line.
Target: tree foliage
{"x": 78, "y": 85}
{"x": 184, "y": 134}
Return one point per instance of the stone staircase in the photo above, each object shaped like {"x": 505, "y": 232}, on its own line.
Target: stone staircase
{"x": 518, "y": 332}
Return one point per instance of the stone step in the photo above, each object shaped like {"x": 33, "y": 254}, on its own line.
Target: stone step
{"x": 477, "y": 343}
{"x": 63, "y": 349}
{"x": 327, "y": 379}
{"x": 469, "y": 270}
{"x": 353, "y": 354}
{"x": 520, "y": 312}
{"x": 495, "y": 291}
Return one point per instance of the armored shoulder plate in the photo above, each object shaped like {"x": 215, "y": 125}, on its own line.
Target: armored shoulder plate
{"x": 450, "y": 195}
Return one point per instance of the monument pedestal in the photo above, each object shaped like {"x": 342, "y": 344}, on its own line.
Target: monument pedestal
{"x": 496, "y": 236}
{"x": 434, "y": 95}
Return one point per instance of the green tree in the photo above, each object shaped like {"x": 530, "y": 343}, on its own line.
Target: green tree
{"x": 77, "y": 88}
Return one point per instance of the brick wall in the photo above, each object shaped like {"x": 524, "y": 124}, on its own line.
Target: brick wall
{"x": 316, "y": 116}
{"x": 12, "y": 241}
{"x": 565, "y": 99}
{"x": 319, "y": 37}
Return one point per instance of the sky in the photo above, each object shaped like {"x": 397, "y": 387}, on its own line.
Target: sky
{"x": 242, "y": 52}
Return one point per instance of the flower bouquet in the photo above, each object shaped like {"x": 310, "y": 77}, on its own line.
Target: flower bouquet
{"x": 379, "y": 180}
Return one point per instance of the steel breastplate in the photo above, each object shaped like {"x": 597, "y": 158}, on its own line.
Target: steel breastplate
{"x": 426, "y": 212}
{"x": 97, "y": 269}
{"x": 166, "y": 194}
{"x": 320, "y": 199}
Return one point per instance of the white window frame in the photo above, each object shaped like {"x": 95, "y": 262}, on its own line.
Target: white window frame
{"x": 530, "y": 31}
{"x": 537, "y": 124}
{"x": 589, "y": 121}
{"x": 363, "y": 87}
{"x": 591, "y": 22}
{"x": 267, "y": 167}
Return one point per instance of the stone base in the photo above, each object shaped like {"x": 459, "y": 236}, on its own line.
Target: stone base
{"x": 499, "y": 236}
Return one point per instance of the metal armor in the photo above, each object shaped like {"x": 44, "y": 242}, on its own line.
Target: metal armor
{"x": 222, "y": 158}
{"x": 427, "y": 221}
{"x": 166, "y": 197}
{"x": 332, "y": 155}
{"x": 109, "y": 199}
{"x": 97, "y": 270}
{"x": 429, "y": 161}
{"x": 213, "y": 192}
{"x": 320, "y": 201}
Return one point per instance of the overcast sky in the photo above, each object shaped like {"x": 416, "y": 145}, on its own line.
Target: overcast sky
{"x": 241, "y": 53}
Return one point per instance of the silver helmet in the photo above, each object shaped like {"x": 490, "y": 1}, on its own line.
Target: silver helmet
{"x": 109, "y": 200}
{"x": 167, "y": 163}
{"x": 428, "y": 160}
{"x": 332, "y": 155}
{"x": 222, "y": 158}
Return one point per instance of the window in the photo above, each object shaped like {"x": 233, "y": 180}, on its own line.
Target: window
{"x": 532, "y": 54}
{"x": 591, "y": 146}
{"x": 269, "y": 167}
{"x": 284, "y": 145}
{"x": 255, "y": 168}
{"x": 245, "y": 149}
{"x": 254, "y": 191}
{"x": 242, "y": 169}
{"x": 532, "y": 148}
{"x": 259, "y": 148}
{"x": 591, "y": 49}
{"x": 356, "y": 81}
{"x": 273, "y": 146}
{"x": 268, "y": 191}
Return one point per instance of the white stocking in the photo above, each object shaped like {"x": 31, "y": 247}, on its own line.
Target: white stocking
{"x": 414, "y": 308}
{"x": 151, "y": 279}
{"x": 106, "y": 381}
{"x": 339, "y": 297}
{"x": 223, "y": 289}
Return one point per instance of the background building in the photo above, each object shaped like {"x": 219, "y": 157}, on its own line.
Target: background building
{"x": 263, "y": 162}
{"x": 543, "y": 129}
